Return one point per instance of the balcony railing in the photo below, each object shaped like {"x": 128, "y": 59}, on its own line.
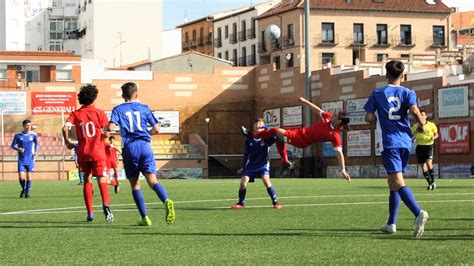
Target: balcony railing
{"x": 201, "y": 41}
{"x": 357, "y": 40}
{"x": 276, "y": 44}
{"x": 233, "y": 38}
{"x": 251, "y": 60}
{"x": 288, "y": 41}
{"x": 242, "y": 36}
{"x": 193, "y": 44}
{"x": 326, "y": 40}
{"x": 185, "y": 45}
{"x": 218, "y": 42}
{"x": 243, "y": 61}
{"x": 404, "y": 42}
{"x": 262, "y": 47}
{"x": 251, "y": 33}
{"x": 436, "y": 43}
{"x": 380, "y": 42}
{"x": 209, "y": 39}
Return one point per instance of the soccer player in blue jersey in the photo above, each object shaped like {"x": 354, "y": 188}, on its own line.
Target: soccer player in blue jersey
{"x": 76, "y": 162}
{"x": 133, "y": 118}
{"x": 256, "y": 163}
{"x": 389, "y": 107}
{"x": 26, "y": 143}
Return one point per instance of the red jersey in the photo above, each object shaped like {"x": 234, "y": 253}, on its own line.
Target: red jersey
{"x": 89, "y": 122}
{"x": 323, "y": 131}
{"x": 110, "y": 152}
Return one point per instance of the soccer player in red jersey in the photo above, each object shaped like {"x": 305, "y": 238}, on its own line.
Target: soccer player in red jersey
{"x": 89, "y": 122}
{"x": 327, "y": 130}
{"x": 112, "y": 160}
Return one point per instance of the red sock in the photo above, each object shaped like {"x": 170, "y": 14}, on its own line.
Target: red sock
{"x": 87, "y": 192}
{"x": 112, "y": 183}
{"x": 281, "y": 147}
{"x": 116, "y": 176}
{"x": 104, "y": 193}
{"x": 266, "y": 134}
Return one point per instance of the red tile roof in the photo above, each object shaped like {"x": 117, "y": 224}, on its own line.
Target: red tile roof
{"x": 37, "y": 53}
{"x": 362, "y": 5}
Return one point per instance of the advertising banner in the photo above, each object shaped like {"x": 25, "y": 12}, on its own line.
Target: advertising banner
{"x": 333, "y": 107}
{"x": 453, "y": 102}
{"x": 13, "y": 103}
{"x": 359, "y": 143}
{"x": 272, "y": 117}
{"x": 45, "y": 103}
{"x": 168, "y": 121}
{"x": 355, "y": 109}
{"x": 454, "y": 138}
{"x": 292, "y": 116}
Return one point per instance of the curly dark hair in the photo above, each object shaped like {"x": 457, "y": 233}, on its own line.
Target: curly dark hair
{"x": 88, "y": 94}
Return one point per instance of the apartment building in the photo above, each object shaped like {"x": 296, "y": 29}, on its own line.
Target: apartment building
{"x": 347, "y": 32}
{"x": 110, "y": 32}
{"x": 12, "y": 25}
{"x": 236, "y": 36}
{"x": 54, "y": 28}
{"x": 197, "y": 35}
{"x": 462, "y": 29}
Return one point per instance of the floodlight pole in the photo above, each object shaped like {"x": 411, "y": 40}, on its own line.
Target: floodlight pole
{"x": 308, "y": 152}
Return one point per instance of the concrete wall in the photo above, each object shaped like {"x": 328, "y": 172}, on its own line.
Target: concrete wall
{"x": 188, "y": 63}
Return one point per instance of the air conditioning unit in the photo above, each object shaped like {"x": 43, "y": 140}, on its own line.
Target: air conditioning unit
{"x": 291, "y": 41}
{"x": 20, "y": 68}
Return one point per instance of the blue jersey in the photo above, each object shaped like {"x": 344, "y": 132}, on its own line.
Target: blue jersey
{"x": 392, "y": 104}
{"x": 256, "y": 154}
{"x": 133, "y": 118}
{"x": 27, "y": 141}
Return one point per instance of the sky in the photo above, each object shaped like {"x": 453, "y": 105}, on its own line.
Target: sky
{"x": 175, "y": 11}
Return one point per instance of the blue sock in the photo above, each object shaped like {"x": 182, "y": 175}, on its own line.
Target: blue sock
{"x": 271, "y": 193}
{"x": 28, "y": 186}
{"x": 409, "y": 200}
{"x": 22, "y": 183}
{"x": 242, "y": 193}
{"x": 393, "y": 204}
{"x": 160, "y": 191}
{"x": 139, "y": 201}
{"x": 81, "y": 179}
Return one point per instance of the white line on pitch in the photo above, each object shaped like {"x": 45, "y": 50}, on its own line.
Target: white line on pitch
{"x": 261, "y": 206}
{"x": 233, "y": 199}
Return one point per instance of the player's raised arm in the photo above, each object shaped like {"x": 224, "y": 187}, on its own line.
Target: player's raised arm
{"x": 417, "y": 114}
{"x": 342, "y": 164}
{"x": 65, "y": 132}
{"x": 313, "y": 106}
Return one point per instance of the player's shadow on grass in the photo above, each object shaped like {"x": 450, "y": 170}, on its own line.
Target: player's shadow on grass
{"x": 456, "y": 219}
{"x": 59, "y": 224}
{"x": 426, "y": 237}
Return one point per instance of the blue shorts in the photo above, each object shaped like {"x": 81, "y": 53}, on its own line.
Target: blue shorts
{"x": 255, "y": 173}
{"x": 26, "y": 167}
{"x": 395, "y": 160}
{"x": 138, "y": 157}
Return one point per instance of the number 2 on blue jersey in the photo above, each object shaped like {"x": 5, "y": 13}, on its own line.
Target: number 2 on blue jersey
{"x": 133, "y": 122}
{"x": 396, "y": 108}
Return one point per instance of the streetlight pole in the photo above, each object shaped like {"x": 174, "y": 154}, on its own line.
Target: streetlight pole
{"x": 308, "y": 152}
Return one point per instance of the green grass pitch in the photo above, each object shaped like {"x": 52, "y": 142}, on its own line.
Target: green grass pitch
{"x": 323, "y": 221}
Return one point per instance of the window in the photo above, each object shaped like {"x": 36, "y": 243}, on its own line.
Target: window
{"x": 219, "y": 36}
{"x": 56, "y": 29}
{"x": 70, "y": 25}
{"x": 405, "y": 35}
{"x": 243, "y": 31}
{"x": 234, "y": 56}
{"x": 186, "y": 36}
{"x": 358, "y": 34}
{"x": 382, "y": 34}
{"x": 194, "y": 35}
{"x": 63, "y": 75}
{"x": 277, "y": 62}
{"x": 405, "y": 55}
{"x": 243, "y": 61}
{"x": 201, "y": 32}
{"x": 291, "y": 37}
{"x": 289, "y": 60}
{"x": 327, "y": 33}
{"x": 234, "y": 33}
{"x": 327, "y": 58}
{"x": 380, "y": 57}
{"x": 219, "y": 55}
{"x": 56, "y": 3}
{"x": 32, "y": 76}
{"x": 40, "y": 48}
{"x": 226, "y": 31}
{"x": 438, "y": 36}
{"x": 226, "y": 55}
{"x": 3, "y": 73}
{"x": 264, "y": 42}
{"x": 56, "y": 46}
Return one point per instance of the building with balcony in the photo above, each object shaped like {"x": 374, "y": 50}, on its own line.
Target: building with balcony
{"x": 236, "y": 35}
{"x": 18, "y": 69}
{"x": 54, "y": 28}
{"x": 347, "y": 32}
{"x": 462, "y": 29}
{"x": 110, "y": 32}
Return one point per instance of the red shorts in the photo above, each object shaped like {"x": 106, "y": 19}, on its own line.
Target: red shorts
{"x": 96, "y": 168}
{"x": 295, "y": 138}
{"x": 112, "y": 164}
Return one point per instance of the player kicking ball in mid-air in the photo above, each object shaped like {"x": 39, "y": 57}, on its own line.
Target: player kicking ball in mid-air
{"x": 89, "y": 123}
{"x": 327, "y": 130}
{"x": 390, "y": 105}
{"x": 133, "y": 118}
{"x": 26, "y": 143}
{"x": 256, "y": 162}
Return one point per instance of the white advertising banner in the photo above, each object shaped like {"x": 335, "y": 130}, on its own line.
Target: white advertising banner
{"x": 356, "y": 112}
{"x": 272, "y": 117}
{"x": 333, "y": 107}
{"x": 453, "y": 102}
{"x": 13, "y": 103}
{"x": 359, "y": 143}
{"x": 168, "y": 121}
{"x": 292, "y": 116}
